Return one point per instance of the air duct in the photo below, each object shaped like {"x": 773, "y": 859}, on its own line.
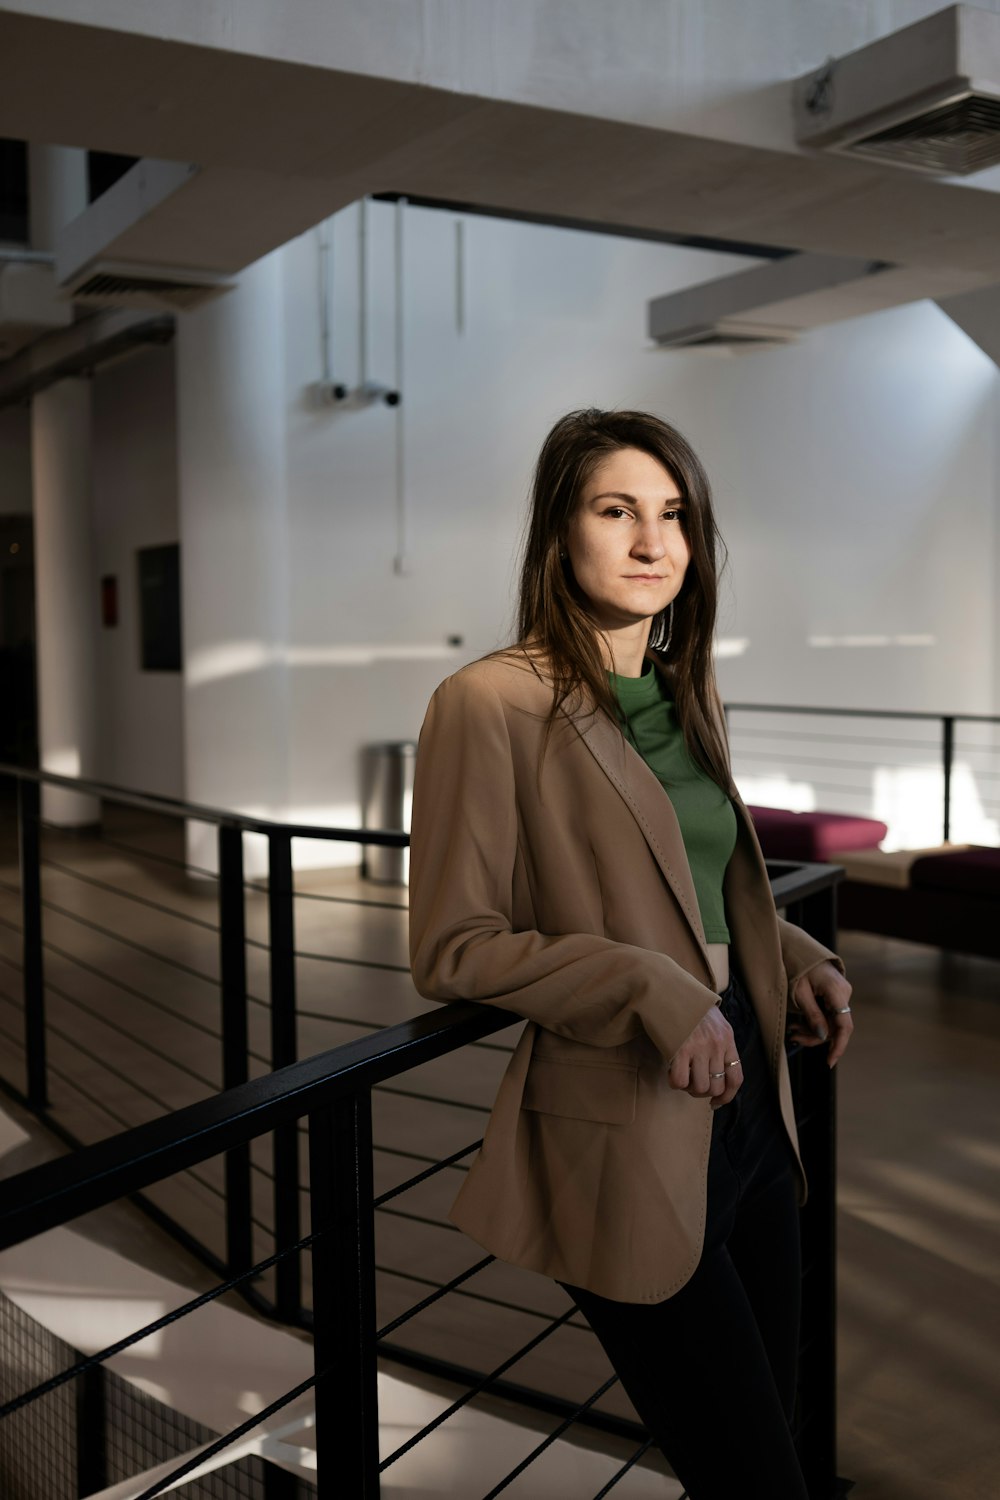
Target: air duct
{"x": 88, "y": 268}
{"x": 761, "y": 308}
{"x": 102, "y": 283}
{"x": 926, "y": 98}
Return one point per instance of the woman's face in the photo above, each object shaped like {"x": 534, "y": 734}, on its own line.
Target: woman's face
{"x": 626, "y": 541}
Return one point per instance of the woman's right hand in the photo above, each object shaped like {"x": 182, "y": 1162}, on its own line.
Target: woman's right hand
{"x": 706, "y": 1051}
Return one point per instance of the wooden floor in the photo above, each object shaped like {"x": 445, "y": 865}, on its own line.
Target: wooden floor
{"x": 919, "y": 1225}
{"x": 919, "y": 1222}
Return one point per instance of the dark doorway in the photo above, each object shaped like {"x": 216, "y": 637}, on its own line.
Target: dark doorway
{"x": 19, "y": 711}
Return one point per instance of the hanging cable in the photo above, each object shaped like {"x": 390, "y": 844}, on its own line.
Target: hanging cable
{"x": 400, "y": 561}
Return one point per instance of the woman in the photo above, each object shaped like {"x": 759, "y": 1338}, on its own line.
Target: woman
{"x": 580, "y": 856}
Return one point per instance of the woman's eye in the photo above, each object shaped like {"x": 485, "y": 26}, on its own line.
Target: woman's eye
{"x": 615, "y": 510}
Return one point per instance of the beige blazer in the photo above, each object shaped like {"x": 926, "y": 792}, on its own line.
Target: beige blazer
{"x": 564, "y": 895}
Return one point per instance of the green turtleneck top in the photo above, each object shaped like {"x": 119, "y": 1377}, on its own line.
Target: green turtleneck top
{"x": 706, "y": 816}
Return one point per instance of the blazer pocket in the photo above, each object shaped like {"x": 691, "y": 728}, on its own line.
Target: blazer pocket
{"x": 603, "y": 1092}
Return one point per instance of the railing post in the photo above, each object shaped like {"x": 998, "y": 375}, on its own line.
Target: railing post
{"x": 343, "y": 1261}
{"x": 235, "y": 1069}
{"x": 947, "y": 761}
{"x": 28, "y": 811}
{"x": 281, "y": 913}
{"x": 815, "y": 1099}
{"x": 91, "y": 1430}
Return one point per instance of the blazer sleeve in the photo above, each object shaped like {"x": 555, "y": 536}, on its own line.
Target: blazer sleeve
{"x": 800, "y": 952}
{"x": 463, "y": 849}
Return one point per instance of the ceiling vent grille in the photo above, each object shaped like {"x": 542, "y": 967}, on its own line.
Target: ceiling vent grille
{"x": 732, "y": 336}
{"x": 925, "y": 98}
{"x": 151, "y": 289}
{"x": 956, "y": 138}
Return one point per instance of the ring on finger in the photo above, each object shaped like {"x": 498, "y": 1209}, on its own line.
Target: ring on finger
{"x": 734, "y": 1064}
{"x": 718, "y": 1075}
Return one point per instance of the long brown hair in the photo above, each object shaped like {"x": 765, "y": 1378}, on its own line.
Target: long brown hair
{"x": 555, "y": 625}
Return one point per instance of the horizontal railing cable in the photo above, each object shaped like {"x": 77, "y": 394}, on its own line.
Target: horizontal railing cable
{"x": 115, "y": 890}
{"x": 90, "y": 1360}
{"x": 160, "y": 859}
{"x": 435, "y": 1296}
{"x": 169, "y": 1481}
{"x": 912, "y": 715}
{"x": 113, "y": 1114}
{"x": 838, "y": 788}
{"x": 385, "y": 1088}
{"x": 402, "y": 1213}
{"x": 15, "y": 1041}
{"x": 564, "y": 1426}
{"x": 262, "y": 887}
{"x": 386, "y": 1150}
{"x": 629, "y": 1463}
{"x": 817, "y": 736}
{"x": 102, "y": 1062}
{"x": 474, "y": 1390}
{"x": 431, "y": 1171}
{"x": 791, "y": 760}
{"x": 44, "y": 1195}
{"x": 504, "y": 1302}
{"x": 132, "y": 1036}
{"x": 336, "y": 958}
{"x": 121, "y": 984}
{"x": 410, "y": 1155}
{"x": 173, "y": 963}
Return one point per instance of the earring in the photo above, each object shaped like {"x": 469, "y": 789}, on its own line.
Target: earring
{"x": 660, "y": 637}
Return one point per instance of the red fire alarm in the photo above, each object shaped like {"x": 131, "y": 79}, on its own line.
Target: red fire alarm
{"x": 109, "y": 600}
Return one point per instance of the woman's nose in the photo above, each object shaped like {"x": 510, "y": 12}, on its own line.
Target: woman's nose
{"x": 649, "y": 543}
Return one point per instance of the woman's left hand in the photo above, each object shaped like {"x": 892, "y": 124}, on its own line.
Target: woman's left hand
{"x": 824, "y": 988}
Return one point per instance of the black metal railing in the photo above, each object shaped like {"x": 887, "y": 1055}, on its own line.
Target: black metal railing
{"x": 227, "y": 1056}
{"x": 333, "y": 1091}
{"x": 943, "y": 750}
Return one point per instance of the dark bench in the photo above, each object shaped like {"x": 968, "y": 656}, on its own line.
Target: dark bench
{"x": 952, "y": 900}
{"x": 949, "y": 897}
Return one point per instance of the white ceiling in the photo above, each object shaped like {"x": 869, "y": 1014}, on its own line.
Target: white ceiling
{"x": 282, "y": 141}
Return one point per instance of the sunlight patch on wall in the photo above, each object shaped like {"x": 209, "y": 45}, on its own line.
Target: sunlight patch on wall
{"x": 242, "y": 658}
{"x": 871, "y": 640}
{"x": 910, "y": 799}
{"x": 63, "y": 762}
{"x": 777, "y": 791}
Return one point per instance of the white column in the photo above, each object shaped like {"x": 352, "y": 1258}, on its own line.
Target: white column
{"x": 66, "y": 593}
{"x": 231, "y": 435}
{"x": 57, "y": 191}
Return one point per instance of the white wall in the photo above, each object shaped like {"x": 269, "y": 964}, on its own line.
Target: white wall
{"x": 856, "y": 477}
{"x": 135, "y": 506}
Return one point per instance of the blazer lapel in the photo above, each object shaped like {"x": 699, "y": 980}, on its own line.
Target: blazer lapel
{"x": 648, "y": 804}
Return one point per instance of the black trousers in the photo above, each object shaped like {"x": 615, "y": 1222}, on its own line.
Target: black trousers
{"x": 712, "y": 1370}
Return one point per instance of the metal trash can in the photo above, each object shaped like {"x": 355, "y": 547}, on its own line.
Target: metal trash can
{"x": 386, "y": 795}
